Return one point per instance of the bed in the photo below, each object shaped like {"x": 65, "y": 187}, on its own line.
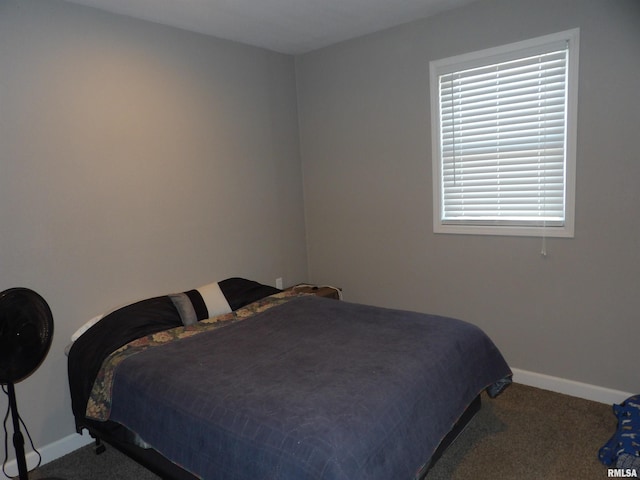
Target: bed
{"x": 237, "y": 380}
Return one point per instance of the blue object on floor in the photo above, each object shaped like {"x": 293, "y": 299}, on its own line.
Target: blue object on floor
{"x": 623, "y": 448}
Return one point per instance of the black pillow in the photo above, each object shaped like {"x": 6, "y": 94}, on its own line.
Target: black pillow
{"x": 240, "y": 291}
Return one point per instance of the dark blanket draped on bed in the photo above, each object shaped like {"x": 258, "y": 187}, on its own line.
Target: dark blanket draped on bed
{"x": 311, "y": 389}
{"x": 137, "y": 320}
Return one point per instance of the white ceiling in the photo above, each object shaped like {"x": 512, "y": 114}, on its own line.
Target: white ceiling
{"x": 287, "y": 26}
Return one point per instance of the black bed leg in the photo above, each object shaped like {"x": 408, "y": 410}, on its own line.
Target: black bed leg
{"x": 99, "y": 447}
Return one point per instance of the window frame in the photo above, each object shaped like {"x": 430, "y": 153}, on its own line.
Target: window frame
{"x": 491, "y": 56}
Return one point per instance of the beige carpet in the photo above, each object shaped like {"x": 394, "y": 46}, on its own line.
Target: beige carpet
{"x": 528, "y": 433}
{"x": 525, "y": 434}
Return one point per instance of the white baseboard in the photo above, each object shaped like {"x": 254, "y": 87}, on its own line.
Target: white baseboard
{"x": 570, "y": 387}
{"x": 50, "y": 452}
{"x": 72, "y": 442}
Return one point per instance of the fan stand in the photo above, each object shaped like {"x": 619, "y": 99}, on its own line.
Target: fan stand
{"x": 18, "y": 438}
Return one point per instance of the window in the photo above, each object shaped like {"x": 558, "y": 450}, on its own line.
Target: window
{"x": 504, "y": 135}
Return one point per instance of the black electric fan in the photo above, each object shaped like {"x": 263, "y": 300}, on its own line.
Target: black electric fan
{"x": 26, "y": 331}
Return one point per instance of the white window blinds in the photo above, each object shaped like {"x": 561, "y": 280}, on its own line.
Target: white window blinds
{"x": 503, "y": 138}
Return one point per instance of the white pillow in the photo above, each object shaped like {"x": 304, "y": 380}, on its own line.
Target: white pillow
{"x": 86, "y": 327}
{"x": 93, "y": 321}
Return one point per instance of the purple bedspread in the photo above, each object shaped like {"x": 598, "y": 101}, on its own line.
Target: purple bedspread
{"x": 311, "y": 389}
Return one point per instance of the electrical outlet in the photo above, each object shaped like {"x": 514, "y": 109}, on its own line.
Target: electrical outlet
{"x": 279, "y": 283}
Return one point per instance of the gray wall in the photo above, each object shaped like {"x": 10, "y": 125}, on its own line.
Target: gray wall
{"x": 136, "y": 160}
{"x": 366, "y": 151}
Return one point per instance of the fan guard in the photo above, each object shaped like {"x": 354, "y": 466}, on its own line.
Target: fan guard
{"x": 26, "y": 332}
